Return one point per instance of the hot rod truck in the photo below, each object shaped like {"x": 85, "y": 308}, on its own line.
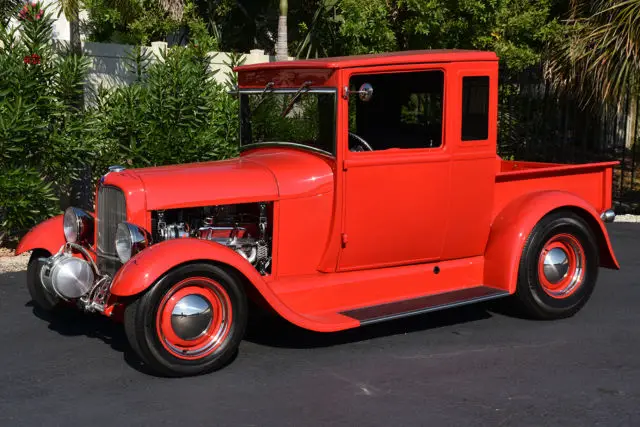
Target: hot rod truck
{"x": 367, "y": 189}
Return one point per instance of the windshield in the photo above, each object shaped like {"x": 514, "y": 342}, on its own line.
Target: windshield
{"x": 302, "y": 116}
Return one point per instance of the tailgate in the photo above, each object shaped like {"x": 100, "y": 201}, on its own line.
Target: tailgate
{"x": 592, "y": 182}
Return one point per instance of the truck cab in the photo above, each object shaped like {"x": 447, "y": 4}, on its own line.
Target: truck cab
{"x": 368, "y": 188}
{"x": 420, "y": 144}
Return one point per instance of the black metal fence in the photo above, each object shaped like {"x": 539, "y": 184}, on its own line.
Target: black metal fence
{"x": 537, "y": 123}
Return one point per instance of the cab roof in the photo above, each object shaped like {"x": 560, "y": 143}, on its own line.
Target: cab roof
{"x": 390, "y": 58}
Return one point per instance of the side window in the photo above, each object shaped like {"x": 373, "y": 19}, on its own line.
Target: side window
{"x": 475, "y": 108}
{"x": 405, "y": 111}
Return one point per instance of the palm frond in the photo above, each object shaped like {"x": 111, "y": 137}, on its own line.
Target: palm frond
{"x": 70, "y": 9}
{"x": 600, "y": 56}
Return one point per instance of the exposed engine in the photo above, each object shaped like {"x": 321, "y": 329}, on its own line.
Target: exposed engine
{"x": 243, "y": 228}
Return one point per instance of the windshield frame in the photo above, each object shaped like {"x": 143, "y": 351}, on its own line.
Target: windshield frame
{"x": 291, "y": 90}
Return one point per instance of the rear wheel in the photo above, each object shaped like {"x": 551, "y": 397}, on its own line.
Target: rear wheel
{"x": 42, "y": 299}
{"x": 558, "y": 268}
{"x": 190, "y": 322}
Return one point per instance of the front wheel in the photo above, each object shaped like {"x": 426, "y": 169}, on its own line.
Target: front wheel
{"x": 42, "y": 299}
{"x": 558, "y": 268}
{"x": 190, "y": 322}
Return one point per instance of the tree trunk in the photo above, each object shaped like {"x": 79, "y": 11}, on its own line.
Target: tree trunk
{"x": 76, "y": 47}
{"x": 282, "y": 48}
{"x": 632, "y": 117}
{"x": 74, "y": 34}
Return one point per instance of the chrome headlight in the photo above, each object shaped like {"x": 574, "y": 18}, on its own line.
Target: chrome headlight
{"x": 130, "y": 239}
{"x": 77, "y": 225}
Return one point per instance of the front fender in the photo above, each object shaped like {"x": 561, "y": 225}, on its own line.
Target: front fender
{"x": 46, "y": 235}
{"x": 512, "y": 226}
{"x": 144, "y": 269}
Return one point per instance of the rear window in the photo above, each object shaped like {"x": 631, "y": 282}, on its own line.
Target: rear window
{"x": 475, "y": 108}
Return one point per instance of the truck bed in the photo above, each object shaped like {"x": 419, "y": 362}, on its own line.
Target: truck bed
{"x": 591, "y": 181}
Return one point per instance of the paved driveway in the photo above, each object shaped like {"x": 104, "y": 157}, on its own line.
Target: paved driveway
{"x": 464, "y": 367}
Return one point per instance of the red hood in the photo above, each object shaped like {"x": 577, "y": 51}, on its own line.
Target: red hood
{"x": 258, "y": 175}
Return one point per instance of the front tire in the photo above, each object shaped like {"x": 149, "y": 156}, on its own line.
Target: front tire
{"x": 558, "y": 268}
{"x": 191, "y": 321}
{"x": 42, "y": 299}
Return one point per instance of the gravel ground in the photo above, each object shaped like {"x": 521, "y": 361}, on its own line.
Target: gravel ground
{"x": 627, "y": 218}
{"x": 11, "y": 263}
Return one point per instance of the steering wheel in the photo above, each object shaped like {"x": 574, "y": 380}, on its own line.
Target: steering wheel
{"x": 361, "y": 144}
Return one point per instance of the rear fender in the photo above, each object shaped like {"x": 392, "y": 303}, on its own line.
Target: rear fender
{"x": 46, "y": 235}
{"x": 512, "y": 226}
{"x": 144, "y": 269}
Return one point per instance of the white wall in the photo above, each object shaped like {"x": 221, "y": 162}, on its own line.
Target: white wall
{"x": 109, "y": 62}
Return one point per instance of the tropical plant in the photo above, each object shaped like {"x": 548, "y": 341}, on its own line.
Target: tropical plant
{"x": 599, "y": 55}
{"x": 175, "y": 112}
{"x": 71, "y": 11}
{"x": 44, "y": 138}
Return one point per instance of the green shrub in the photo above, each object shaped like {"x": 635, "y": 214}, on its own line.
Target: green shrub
{"x": 144, "y": 21}
{"x": 26, "y": 200}
{"x": 174, "y": 113}
{"x": 43, "y": 131}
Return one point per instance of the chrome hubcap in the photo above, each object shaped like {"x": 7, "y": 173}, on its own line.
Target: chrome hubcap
{"x": 191, "y": 317}
{"x": 556, "y": 265}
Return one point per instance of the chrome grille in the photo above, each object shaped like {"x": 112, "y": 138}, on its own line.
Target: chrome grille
{"x": 112, "y": 210}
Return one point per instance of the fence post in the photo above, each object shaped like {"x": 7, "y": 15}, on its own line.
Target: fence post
{"x": 159, "y": 49}
{"x": 632, "y": 117}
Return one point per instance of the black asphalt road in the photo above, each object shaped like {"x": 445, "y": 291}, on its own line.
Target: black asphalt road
{"x": 462, "y": 367}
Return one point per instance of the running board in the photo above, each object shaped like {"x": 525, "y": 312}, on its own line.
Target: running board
{"x": 411, "y": 307}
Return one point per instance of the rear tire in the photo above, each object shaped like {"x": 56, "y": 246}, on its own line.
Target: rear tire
{"x": 558, "y": 268}
{"x": 191, "y": 321}
{"x": 42, "y": 299}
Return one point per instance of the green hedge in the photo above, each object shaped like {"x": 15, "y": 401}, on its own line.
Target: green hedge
{"x": 174, "y": 112}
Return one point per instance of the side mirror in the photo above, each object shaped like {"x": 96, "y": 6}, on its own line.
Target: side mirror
{"x": 365, "y": 93}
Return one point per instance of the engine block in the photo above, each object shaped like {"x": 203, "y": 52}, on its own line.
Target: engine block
{"x": 242, "y": 227}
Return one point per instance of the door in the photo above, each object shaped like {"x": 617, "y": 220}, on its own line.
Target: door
{"x": 397, "y": 171}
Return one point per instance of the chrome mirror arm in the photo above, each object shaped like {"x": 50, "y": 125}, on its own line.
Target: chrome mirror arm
{"x": 365, "y": 93}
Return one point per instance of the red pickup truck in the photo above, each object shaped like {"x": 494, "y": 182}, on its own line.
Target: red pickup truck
{"x": 368, "y": 189}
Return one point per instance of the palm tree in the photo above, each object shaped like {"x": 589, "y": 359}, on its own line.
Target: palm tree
{"x": 282, "y": 48}
{"x": 175, "y": 8}
{"x": 71, "y": 11}
{"x": 600, "y": 57}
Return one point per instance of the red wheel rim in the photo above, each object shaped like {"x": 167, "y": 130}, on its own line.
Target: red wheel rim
{"x": 561, "y": 266}
{"x": 214, "y": 316}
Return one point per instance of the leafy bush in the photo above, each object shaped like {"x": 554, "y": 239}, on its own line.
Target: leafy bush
{"x": 43, "y": 131}
{"x": 174, "y": 113}
{"x": 26, "y": 200}
{"x": 144, "y": 21}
